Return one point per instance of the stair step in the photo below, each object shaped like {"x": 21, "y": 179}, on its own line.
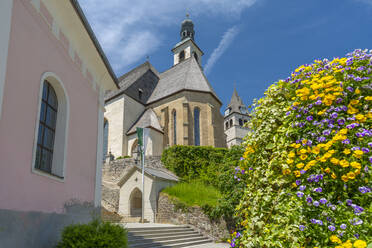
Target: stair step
{"x": 186, "y": 244}
{"x": 143, "y": 232}
{"x": 171, "y": 243}
{"x": 158, "y": 228}
{"x": 131, "y": 235}
{"x": 169, "y": 237}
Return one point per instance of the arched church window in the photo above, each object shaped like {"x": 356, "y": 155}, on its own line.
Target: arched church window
{"x": 227, "y": 124}
{"x": 49, "y": 155}
{"x": 231, "y": 122}
{"x": 182, "y": 56}
{"x": 240, "y": 122}
{"x": 174, "y": 127}
{"x": 47, "y": 129}
{"x": 197, "y": 126}
{"x": 105, "y": 138}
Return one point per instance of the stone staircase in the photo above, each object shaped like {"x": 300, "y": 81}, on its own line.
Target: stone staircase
{"x": 165, "y": 237}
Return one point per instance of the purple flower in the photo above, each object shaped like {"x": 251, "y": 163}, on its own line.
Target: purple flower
{"x": 309, "y": 199}
{"x": 316, "y": 203}
{"x": 319, "y": 222}
{"x": 334, "y": 115}
{"x": 356, "y": 235}
{"x": 319, "y": 102}
{"x": 313, "y": 221}
{"x": 350, "y": 89}
{"x": 365, "y": 150}
{"x": 341, "y": 121}
{"x": 323, "y": 201}
{"x": 298, "y": 116}
{"x": 243, "y": 171}
{"x": 331, "y": 228}
{"x": 339, "y": 100}
{"x": 241, "y": 158}
{"x": 302, "y": 172}
{"x": 370, "y": 144}
{"x": 343, "y": 226}
{"x": 346, "y": 141}
{"x": 309, "y": 118}
{"x": 321, "y": 139}
{"x": 319, "y": 190}
{"x": 300, "y": 194}
{"x": 288, "y": 113}
{"x": 326, "y": 132}
{"x": 355, "y": 148}
{"x": 349, "y": 202}
{"x": 301, "y": 227}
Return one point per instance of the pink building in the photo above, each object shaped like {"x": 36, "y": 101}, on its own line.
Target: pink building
{"x": 53, "y": 75}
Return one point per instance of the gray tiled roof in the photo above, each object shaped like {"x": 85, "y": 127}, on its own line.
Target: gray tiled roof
{"x": 161, "y": 173}
{"x": 147, "y": 119}
{"x": 187, "y": 75}
{"x": 130, "y": 77}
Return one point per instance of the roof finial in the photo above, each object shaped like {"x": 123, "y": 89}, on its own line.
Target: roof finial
{"x": 187, "y": 15}
{"x": 147, "y": 58}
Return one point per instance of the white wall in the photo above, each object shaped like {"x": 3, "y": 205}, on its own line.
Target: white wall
{"x": 5, "y": 23}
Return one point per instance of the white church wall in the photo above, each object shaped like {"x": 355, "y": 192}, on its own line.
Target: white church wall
{"x": 154, "y": 146}
{"x": 152, "y": 189}
{"x": 114, "y": 114}
{"x": 132, "y": 111}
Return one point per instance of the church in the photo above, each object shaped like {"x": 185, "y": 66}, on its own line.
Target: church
{"x": 179, "y": 105}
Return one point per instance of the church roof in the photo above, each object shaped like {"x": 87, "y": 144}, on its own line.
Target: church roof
{"x": 187, "y": 75}
{"x": 126, "y": 80}
{"x": 147, "y": 119}
{"x": 235, "y": 103}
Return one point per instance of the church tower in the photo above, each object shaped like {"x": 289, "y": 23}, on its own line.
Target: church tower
{"x": 236, "y": 116}
{"x": 187, "y": 46}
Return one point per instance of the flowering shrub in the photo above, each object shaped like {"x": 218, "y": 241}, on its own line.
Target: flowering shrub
{"x": 308, "y": 159}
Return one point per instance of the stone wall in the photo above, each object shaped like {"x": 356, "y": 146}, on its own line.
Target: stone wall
{"x": 167, "y": 213}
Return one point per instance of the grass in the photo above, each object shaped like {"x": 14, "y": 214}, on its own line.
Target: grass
{"x": 194, "y": 193}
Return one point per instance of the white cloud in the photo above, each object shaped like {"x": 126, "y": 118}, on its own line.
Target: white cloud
{"x": 227, "y": 39}
{"x": 129, "y": 30}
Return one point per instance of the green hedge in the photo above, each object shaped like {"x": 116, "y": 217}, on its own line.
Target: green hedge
{"x": 192, "y": 162}
{"x": 94, "y": 234}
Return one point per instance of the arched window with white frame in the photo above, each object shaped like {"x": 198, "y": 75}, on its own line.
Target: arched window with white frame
{"x": 174, "y": 116}
{"x": 51, "y": 131}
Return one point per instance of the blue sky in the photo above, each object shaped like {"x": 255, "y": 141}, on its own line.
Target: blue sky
{"x": 250, "y": 43}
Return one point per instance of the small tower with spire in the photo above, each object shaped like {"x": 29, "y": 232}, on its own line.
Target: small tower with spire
{"x": 187, "y": 46}
{"x": 235, "y": 119}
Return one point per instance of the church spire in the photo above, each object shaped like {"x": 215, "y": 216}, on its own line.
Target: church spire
{"x": 187, "y": 28}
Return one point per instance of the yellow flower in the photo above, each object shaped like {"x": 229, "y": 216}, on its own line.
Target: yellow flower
{"x": 344, "y": 163}
{"x": 300, "y": 165}
{"x": 357, "y": 172}
{"x": 361, "y": 117}
{"x": 368, "y": 98}
{"x": 347, "y": 151}
{"x": 351, "y": 175}
{"x": 297, "y": 173}
{"x": 360, "y": 244}
{"x": 358, "y": 153}
{"x": 335, "y": 239}
{"x": 294, "y": 185}
{"x": 286, "y": 171}
{"x": 303, "y": 151}
{"x": 352, "y": 110}
{"x": 316, "y": 150}
{"x": 357, "y": 91}
{"x": 333, "y": 175}
{"x": 303, "y": 157}
{"x": 354, "y": 102}
{"x": 327, "y": 170}
{"x": 345, "y": 178}
{"x": 335, "y": 161}
{"x": 343, "y": 131}
{"x": 347, "y": 244}
{"x": 290, "y": 161}
{"x": 355, "y": 165}
{"x": 291, "y": 154}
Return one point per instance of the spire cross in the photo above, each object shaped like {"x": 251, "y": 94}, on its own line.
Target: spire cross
{"x": 187, "y": 15}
